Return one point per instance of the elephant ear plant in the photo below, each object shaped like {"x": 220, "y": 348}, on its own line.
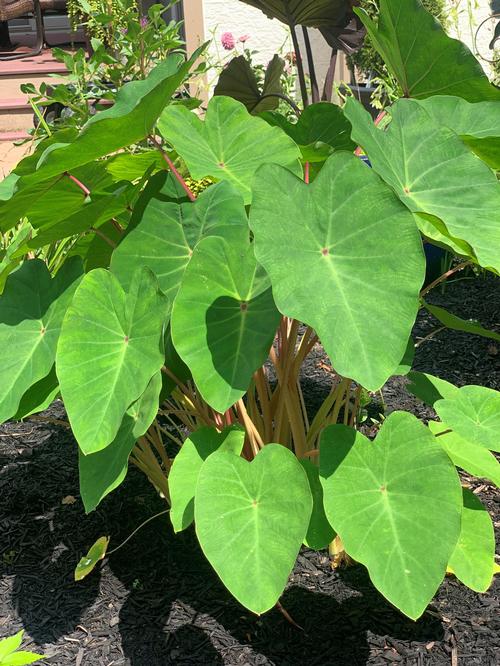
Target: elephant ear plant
{"x": 175, "y": 327}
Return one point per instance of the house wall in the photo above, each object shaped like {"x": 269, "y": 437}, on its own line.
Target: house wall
{"x": 266, "y": 36}
{"x": 465, "y": 18}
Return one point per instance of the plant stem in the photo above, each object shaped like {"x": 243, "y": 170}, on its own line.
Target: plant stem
{"x": 429, "y": 336}
{"x": 330, "y": 77}
{"x": 252, "y": 432}
{"x": 310, "y": 64}
{"x": 357, "y": 400}
{"x": 263, "y": 393}
{"x": 342, "y": 399}
{"x": 79, "y": 183}
{"x": 446, "y": 275}
{"x": 173, "y": 168}
{"x": 321, "y": 417}
{"x": 300, "y": 67}
{"x": 285, "y": 98}
{"x": 148, "y": 520}
{"x": 107, "y": 240}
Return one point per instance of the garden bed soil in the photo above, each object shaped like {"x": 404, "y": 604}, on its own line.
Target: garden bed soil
{"x": 157, "y": 601}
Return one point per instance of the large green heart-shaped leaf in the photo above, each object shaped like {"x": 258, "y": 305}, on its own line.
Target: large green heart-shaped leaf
{"x": 319, "y": 533}
{"x": 14, "y": 204}
{"x": 111, "y": 344}
{"x": 474, "y": 414}
{"x": 396, "y": 503}
{"x": 473, "y": 560}
{"x": 474, "y": 459}
{"x": 183, "y": 476}
{"x": 341, "y": 253}
{"x": 251, "y": 519}
{"x": 163, "y": 234}
{"x": 32, "y": 308}
{"x": 313, "y": 13}
{"x": 428, "y": 388}
{"x": 229, "y": 144}
{"x": 238, "y": 80}
{"x": 438, "y": 175}
{"x": 224, "y": 318}
{"x": 49, "y": 203}
{"x": 319, "y": 125}
{"x": 39, "y": 396}
{"x": 102, "y": 472}
{"x": 58, "y": 197}
{"x": 422, "y": 57}
{"x": 93, "y": 212}
{"x": 478, "y": 125}
{"x": 133, "y": 166}
{"x": 130, "y": 119}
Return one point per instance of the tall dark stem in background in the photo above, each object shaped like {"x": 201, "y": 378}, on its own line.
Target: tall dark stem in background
{"x": 330, "y": 77}
{"x": 310, "y": 64}
{"x": 300, "y": 67}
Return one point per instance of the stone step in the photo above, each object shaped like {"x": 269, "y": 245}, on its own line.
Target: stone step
{"x": 16, "y": 114}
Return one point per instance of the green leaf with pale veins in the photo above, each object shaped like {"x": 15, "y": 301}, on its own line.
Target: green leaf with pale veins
{"x": 32, "y": 308}
{"x": 474, "y": 459}
{"x": 183, "y": 475}
{"x": 111, "y": 345}
{"x": 428, "y": 388}
{"x": 163, "y": 234}
{"x": 39, "y": 396}
{"x": 102, "y": 472}
{"x": 457, "y": 324}
{"x": 229, "y": 144}
{"x": 319, "y": 533}
{"x": 130, "y": 119}
{"x": 251, "y": 519}
{"x": 473, "y": 560}
{"x": 478, "y": 125}
{"x": 419, "y": 53}
{"x": 435, "y": 175}
{"x": 406, "y": 362}
{"x": 396, "y": 504}
{"x": 319, "y": 126}
{"x": 224, "y": 318}
{"x": 474, "y": 414}
{"x": 328, "y": 249}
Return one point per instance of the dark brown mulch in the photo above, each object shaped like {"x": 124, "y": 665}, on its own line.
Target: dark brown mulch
{"x": 157, "y": 602}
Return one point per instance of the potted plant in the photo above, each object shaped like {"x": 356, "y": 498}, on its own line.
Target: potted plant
{"x": 157, "y": 314}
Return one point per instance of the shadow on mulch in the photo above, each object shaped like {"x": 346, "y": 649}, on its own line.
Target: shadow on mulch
{"x": 158, "y": 597}
{"x": 157, "y": 601}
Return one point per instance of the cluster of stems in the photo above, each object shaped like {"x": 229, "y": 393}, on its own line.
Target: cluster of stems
{"x": 273, "y": 409}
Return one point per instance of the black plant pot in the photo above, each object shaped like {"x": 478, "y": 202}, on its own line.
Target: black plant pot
{"x": 364, "y": 94}
{"x": 435, "y": 257}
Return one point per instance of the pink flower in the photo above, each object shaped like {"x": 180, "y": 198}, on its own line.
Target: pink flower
{"x": 228, "y": 41}
{"x": 244, "y": 38}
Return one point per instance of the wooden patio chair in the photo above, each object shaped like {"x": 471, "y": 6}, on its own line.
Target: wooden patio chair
{"x": 12, "y": 9}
